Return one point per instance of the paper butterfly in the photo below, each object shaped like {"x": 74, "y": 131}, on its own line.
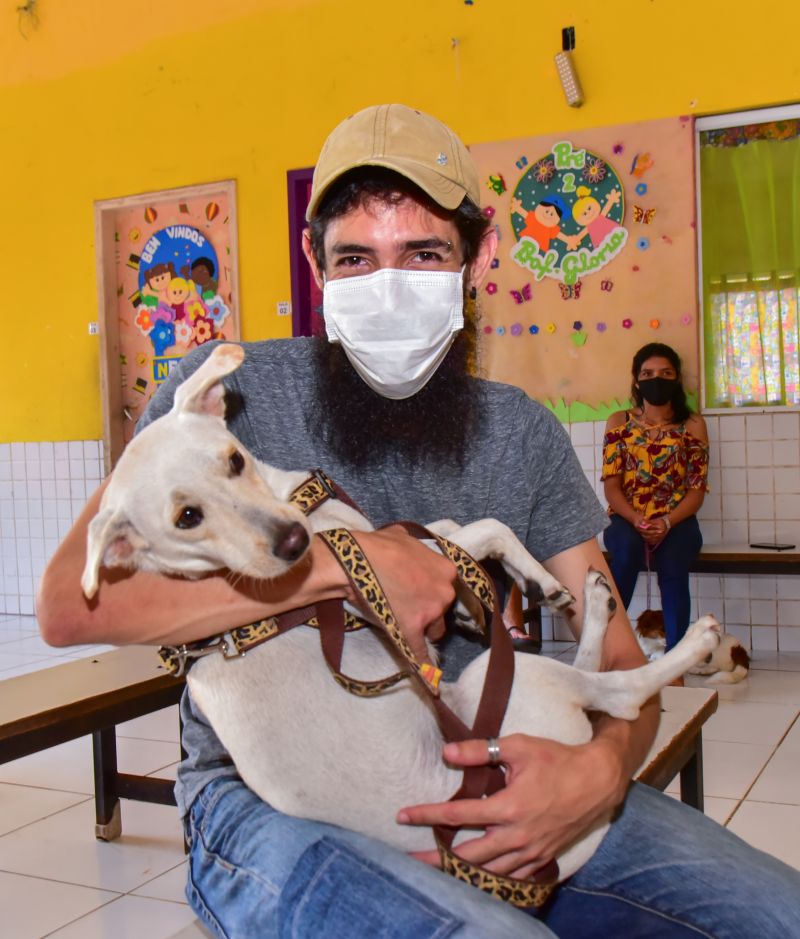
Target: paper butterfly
{"x": 521, "y": 295}
{"x": 522, "y": 161}
{"x": 645, "y": 216}
{"x": 571, "y": 291}
{"x": 606, "y": 285}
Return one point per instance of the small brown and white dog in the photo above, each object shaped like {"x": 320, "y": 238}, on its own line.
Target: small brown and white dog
{"x": 186, "y": 498}
{"x": 728, "y": 664}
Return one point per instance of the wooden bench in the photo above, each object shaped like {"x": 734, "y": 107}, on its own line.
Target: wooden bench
{"x": 678, "y": 747}
{"x": 742, "y": 559}
{"x": 91, "y": 696}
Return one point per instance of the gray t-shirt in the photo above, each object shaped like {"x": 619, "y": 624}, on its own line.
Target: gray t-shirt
{"x": 520, "y": 468}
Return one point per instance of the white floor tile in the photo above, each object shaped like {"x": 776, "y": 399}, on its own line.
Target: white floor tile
{"x": 777, "y": 661}
{"x": 771, "y": 828}
{"x": 719, "y": 809}
{"x": 750, "y": 722}
{"x": 772, "y": 687}
{"x": 780, "y": 779}
{"x": 32, "y": 908}
{"x": 130, "y": 918}
{"x": 14, "y": 659}
{"x": 21, "y": 805}
{"x": 169, "y": 886}
{"x": 69, "y": 766}
{"x": 729, "y": 769}
{"x": 161, "y": 725}
{"x": 63, "y": 847}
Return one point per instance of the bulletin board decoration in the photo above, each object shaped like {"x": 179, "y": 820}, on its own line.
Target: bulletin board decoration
{"x": 596, "y": 258}
{"x": 168, "y": 282}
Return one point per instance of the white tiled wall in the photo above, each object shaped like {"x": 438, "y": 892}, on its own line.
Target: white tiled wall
{"x": 43, "y": 487}
{"x": 755, "y": 496}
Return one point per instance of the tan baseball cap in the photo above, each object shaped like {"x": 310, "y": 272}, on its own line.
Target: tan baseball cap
{"x": 402, "y": 139}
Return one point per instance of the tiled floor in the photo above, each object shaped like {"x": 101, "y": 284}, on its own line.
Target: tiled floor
{"x": 57, "y": 880}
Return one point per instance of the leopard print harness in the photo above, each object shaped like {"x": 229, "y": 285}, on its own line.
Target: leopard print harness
{"x": 333, "y": 621}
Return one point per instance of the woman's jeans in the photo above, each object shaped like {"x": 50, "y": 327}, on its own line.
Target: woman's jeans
{"x": 670, "y": 560}
{"x": 664, "y": 871}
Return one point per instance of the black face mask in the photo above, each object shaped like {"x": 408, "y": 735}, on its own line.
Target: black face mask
{"x": 658, "y": 391}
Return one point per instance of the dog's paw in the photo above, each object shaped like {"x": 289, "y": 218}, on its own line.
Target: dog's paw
{"x": 597, "y": 594}
{"x": 705, "y": 633}
{"x": 553, "y": 595}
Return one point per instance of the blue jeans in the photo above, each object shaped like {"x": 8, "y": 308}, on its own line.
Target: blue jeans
{"x": 664, "y": 871}
{"x": 670, "y": 560}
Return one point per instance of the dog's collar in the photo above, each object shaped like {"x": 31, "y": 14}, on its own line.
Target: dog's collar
{"x": 308, "y": 496}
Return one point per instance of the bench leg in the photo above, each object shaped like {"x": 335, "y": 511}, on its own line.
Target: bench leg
{"x": 106, "y": 796}
{"x": 692, "y": 777}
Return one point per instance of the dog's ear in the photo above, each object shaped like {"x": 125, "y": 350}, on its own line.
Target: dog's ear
{"x": 203, "y": 391}
{"x": 112, "y": 542}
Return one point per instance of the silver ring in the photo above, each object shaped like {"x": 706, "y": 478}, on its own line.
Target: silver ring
{"x": 494, "y": 751}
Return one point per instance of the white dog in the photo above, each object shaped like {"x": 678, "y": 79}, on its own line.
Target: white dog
{"x": 299, "y": 740}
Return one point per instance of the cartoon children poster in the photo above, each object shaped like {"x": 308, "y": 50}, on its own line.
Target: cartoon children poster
{"x": 567, "y": 213}
{"x": 176, "y": 283}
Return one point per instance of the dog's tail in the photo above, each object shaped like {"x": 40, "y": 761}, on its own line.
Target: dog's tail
{"x": 738, "y": 674}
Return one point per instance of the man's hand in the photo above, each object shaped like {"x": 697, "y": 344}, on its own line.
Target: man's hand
{"x": 547, "y": 802}
{"x": 419, "y": 583}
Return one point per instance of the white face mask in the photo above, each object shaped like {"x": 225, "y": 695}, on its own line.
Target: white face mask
{"x": 395, "y": 326}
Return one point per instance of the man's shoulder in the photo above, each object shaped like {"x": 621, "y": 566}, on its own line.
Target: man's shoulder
{"x": 514, "y": 402}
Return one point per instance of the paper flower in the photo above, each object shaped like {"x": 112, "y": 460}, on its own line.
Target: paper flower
{"x": 162, "y": 336}
{"x": 163, "y": 313}
{"x": 618, "y": 148}
{"x": 577, "y": 325}
{"x": 686, "y": 319}
{"x": 183, "y": 333}
{"x": 601, "y": 327}
{"x": 544, "y": 170}
{"x": 217, "y": 310}
{"x": 594, "y": 170}
{"x": 626, "y": 324}
{"x": 489, "y": 211}
{"x": 495, "y": 263}
{"x": 551, "y": 327}
{"x": 196, "y": 310}
{"x": 533, "y": 329}
{"x": 516, "y": 329}
{"x": 643, "y": 244}
{"x": 203, "y": 331}
{"x": 501, "y": 330}
{"x": 144, "y": 320}
{"x": 491, "y": 287}
{"x": 579, "y": 339}
{"x": 641, "y": 189}
{"x": 654, "y": 323}
{"x": 488, "y": 330}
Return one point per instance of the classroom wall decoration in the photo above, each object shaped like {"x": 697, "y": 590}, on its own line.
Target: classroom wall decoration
{"x": 167, "y": 264}
{"x": 596, "y": 258}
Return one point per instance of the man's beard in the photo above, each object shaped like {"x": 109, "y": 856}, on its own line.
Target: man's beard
{"x": 433, "y": 426}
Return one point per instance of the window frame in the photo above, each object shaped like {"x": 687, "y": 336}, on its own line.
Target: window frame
{"x": 717, "y": 122}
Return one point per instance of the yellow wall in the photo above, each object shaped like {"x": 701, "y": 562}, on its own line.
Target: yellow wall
{"x": 105, "y": 99}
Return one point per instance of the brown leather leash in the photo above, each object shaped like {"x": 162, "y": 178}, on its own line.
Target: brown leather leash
{"x": 333, "y": 621}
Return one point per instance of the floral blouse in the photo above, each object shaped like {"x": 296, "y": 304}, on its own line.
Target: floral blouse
{"x": 656, "y": 472}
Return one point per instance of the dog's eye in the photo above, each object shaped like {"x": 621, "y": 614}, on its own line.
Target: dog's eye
{"x": 190, "y": 517}
{"x": 236, "y": 463}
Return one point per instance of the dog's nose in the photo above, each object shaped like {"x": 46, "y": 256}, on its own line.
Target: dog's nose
{"x": 291, "y": 542}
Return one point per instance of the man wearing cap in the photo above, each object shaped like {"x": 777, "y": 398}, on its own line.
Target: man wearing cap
{"x": 388, "y": 408}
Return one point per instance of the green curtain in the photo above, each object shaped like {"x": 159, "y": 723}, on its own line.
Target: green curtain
{"x": 750, "y": 198}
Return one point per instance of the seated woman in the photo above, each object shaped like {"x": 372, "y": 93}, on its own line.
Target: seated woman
{"x": 655, "y": 464}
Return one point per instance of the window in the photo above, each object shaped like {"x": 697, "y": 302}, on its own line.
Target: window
{"x": 749, "y": 212}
